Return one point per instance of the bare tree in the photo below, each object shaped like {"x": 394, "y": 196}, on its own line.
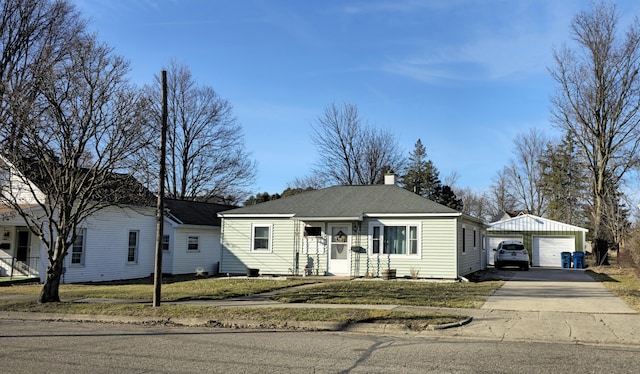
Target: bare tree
{"x": 351, "y": 152}
{"x": 598, "y": 102}
{"x": 524, "y": 173}
{"x": 474, "y": 204}
{"x": 33, "y": 38}
{"x": 205, "y": 154}
{"x": 83, "y": 130}
{"x": 500, "y": 197}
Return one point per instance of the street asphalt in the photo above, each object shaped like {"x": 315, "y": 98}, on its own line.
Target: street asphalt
{"x": 540, "y": 305}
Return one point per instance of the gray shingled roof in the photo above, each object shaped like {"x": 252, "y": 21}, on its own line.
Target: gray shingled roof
{"x": 346, "y": 202}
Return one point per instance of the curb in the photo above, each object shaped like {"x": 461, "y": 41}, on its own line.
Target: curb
{"x": 233, "y": 324}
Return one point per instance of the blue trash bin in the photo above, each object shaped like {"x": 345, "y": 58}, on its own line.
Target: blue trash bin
{"x": 578, "y": 260}
{"x": 566, "y": 259}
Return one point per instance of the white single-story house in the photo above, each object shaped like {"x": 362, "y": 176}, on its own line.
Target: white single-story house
{"x": 117, "y": 242}
{"x": 191, "y": 242}
{"x": 546, "y": 239}
{"x": 352, "y": 231}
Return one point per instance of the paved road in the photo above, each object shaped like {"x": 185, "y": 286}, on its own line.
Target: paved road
{"x": 560, "y": 305}
{"x": 53, "y": 347}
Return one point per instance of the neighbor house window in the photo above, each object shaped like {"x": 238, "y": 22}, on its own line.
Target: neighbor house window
{"x": 132, "y": 252}
{"x": 77, "y": 250}
{"x": 261, "y": 238}
{"x": 165, "y": 242}
{"x": 474, "y": 239}
{"x": 394, "y": 239}
{"x": 192, "y": 243}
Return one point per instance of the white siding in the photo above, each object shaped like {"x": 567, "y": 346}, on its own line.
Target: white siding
{"x": 470, "y": 258}
{"x": 439, "y": 253}
{"x": 439, "y": 248}
{"x": 207, "y": 257}
{"x": 106, "y": 245}
{"x": 237, "y": 256}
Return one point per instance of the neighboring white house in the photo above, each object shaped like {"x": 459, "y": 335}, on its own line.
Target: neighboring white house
{"x": 352, "y": 231}
{"x": 546, "y": 239}
{"x": 191, "y": 239}
{"x": 117, "y": 242}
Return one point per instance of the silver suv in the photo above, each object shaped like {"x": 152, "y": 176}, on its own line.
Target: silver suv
{"x": 511, "y": 253}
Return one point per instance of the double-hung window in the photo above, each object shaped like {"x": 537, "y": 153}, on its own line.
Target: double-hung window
{"x": 132, "y": 251}
{"x": 166, "y": 240}
{"x": 192, "y": 244}
{"x": 77, "y": 250}
{"x": 261, "y": 238}
{"x": 394, "y": 239}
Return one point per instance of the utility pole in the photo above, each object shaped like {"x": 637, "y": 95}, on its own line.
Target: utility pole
{"x": 157, "y": 279}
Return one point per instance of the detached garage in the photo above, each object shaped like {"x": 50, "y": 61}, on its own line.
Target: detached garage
{"x": 545, "y": 239}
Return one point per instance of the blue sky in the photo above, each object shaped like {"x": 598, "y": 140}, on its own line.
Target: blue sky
{"x": 464, "y": 76}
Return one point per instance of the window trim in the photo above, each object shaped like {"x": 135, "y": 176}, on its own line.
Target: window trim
{"x": 269, "y": 248}
{"x": 381, "y": 224}
{"x": 135, "y": 248}
{"x": 197, "y": 238}
{"x": 83, "y": 249}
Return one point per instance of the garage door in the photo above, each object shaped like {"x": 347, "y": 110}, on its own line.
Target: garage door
{"x": 493, "y": 241}
{"x": 547, "y": 249}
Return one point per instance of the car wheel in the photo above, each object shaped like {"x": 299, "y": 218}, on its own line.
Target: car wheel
{"x": 525, "y": 267}
{"x": 498, "y": 265}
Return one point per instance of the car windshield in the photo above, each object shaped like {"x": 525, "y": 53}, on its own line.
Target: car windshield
{"x": 513, "y": 247}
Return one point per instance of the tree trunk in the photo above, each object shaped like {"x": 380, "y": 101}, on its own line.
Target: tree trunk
{"x": 50, "y": 291}
{"x": 600, "y": 250}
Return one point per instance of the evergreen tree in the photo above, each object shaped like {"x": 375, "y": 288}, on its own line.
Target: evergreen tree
{"x": 422, "y": 178}
{"x": 448, "y": 197}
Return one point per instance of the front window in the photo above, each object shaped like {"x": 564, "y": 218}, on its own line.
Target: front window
{"x": 132, "y": 252}
{"x": 261, "y": 238}
{"x": 77, "y": 251}
{"x": 395, "y": 239}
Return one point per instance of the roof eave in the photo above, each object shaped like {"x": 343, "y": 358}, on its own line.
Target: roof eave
{"x": 254, "y": 215}
{"x": 394, "y": 215}
{"x": 329, "y": 218}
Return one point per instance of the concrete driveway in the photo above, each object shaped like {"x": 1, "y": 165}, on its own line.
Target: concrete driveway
{"x": 554, "y": 290}
{"x": 553, "y": 305}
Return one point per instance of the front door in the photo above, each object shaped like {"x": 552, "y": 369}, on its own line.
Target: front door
{"x": 22, "y": 244}
{"x": 339, "y": 247}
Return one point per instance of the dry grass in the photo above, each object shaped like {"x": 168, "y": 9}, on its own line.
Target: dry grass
{"x": 623, "y": 281}
{"x": 434, "y": 294}
{"x": 199, "y": 289}
{"x": 357, "y": 292}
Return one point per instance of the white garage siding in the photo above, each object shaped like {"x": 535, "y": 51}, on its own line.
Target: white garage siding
{"x": 493, "y": 241}
{"x": 547, "y": 249}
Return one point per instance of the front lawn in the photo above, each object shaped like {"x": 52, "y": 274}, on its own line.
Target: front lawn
{"x": 375, "y": 292}
{"x": 398, "y": 292}
{"x": 199, "y": 289}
